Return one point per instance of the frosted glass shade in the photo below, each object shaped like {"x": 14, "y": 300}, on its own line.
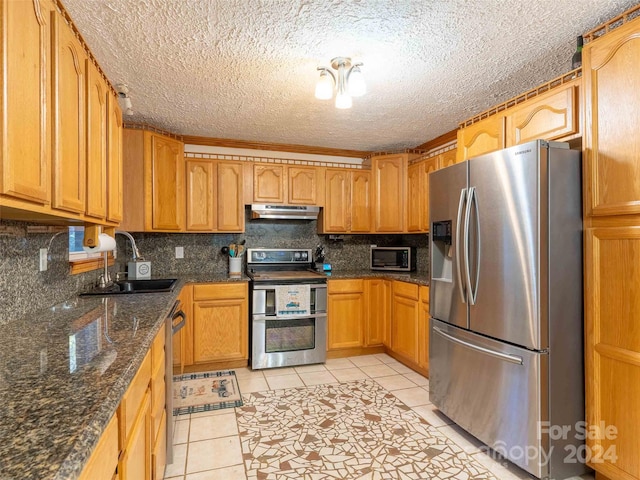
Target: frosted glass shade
{"x": 324, "y": 87}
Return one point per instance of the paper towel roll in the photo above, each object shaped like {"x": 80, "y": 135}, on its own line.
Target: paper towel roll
{"x": 105, "y": 244}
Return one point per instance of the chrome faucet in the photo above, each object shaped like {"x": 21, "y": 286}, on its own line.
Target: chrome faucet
{"x": 134, "y": 248}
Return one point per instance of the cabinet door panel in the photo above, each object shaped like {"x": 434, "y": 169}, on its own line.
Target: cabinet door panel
{"x": 414, "y": 198}
{"x": 69, "y": 156}
{"x": 423, "y": 329}
{"x": 220, "y": 330}
{"x": 404, "y": 330}
{"x": 96, "y": 142}
{"x": 426, "y": 168}
{"x": 26, "y": 165}
{"x": 268, "y": 183}
{"x": 379, "y": 312}
{"x": 389, "y": 190}
{"x": 345, "y": 320}
{"x": 335, "y": 215}
{"x": 230, "y": 204}
{"x": 549, "y": 116}
{"x": 115, "y": 188}
{"x": 613, "y": 346}
{"x": 361, "y": 208}
{"x": 612, "y": 143}
{"x": 166, "y": 174}
{"x": 135, "y": 462}
{"x": 303, "y": 185}
{"x": 482, "y": 137}
{"x": 201, "y": 193}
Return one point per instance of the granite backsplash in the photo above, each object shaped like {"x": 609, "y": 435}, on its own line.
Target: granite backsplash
{"x": 26, "y": 290}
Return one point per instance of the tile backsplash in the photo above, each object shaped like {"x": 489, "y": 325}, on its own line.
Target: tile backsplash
{"x": 26, "y": 290}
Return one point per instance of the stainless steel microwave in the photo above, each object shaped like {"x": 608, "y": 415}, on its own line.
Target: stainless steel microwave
{"x": 399, "y": 259}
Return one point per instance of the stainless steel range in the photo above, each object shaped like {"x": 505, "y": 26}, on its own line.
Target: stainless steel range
{"x": 288, "y": 308}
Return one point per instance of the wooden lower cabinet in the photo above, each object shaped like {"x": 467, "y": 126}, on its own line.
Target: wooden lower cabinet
{"x": 220, "y": 322}
{"x": 423, "y": 329}
{"x": 612, "y": 349}
{"x": 104, "y": 460}
{"x": 183, "y": 340}
{"x": 346, "y": 309}
{"x": 377, "y": 328}
{"x": 135, "y": 461}
{"x": 404, "y": 320}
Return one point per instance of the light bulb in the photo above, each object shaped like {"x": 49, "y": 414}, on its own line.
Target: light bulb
{"x": 324, "y": 87}
{"x": 357, "y": 87}
{"x": 343, "y": 100}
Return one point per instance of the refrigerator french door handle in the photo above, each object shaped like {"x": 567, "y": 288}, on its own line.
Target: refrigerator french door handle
{"x": 502, "y": 356}
{"x": 461, "y": 289}
{"x": 473, "y": 292}
{"x": 467, "y": 270}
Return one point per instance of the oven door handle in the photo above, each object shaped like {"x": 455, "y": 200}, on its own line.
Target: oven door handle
{"x": 289, "y": 317}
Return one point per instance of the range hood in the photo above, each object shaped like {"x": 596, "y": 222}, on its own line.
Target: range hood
{"x": 285, "y": 212}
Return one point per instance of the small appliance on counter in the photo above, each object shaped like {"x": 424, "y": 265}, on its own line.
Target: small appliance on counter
{"x": 398, "y": 259}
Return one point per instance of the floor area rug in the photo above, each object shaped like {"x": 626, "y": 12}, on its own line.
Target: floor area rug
{"x": 202, "y": 392}
{"x": 350, "y": 430}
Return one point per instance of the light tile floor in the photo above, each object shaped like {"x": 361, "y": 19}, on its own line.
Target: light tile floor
{"x": 207, "y": 445}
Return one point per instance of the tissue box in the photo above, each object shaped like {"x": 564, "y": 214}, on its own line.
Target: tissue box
{"x": 138, "y": 270}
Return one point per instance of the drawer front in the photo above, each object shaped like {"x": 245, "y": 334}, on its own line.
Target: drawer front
{"x": 216, "y": 291}
{"x": 134, "y": 396}
{"x": 345, "y": 286}
{"x": 157, "y": 350}
{"x": 404, "y": 289}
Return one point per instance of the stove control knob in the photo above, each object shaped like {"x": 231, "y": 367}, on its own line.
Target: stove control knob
{"x": 304, "y": 256}
{"x": 296, "y": 256}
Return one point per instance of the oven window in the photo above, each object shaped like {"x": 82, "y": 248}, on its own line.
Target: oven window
{"x": 290, "y": 335}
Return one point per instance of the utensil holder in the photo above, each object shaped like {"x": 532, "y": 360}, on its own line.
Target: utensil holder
{"x": 235, "y": 266}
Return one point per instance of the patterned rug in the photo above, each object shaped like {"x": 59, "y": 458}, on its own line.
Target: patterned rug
{"x": 351, "y": 430}
{"x": 202, "y": 392}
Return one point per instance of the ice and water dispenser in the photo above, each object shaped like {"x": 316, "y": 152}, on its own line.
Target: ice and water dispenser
{"x": 442, "y": 251}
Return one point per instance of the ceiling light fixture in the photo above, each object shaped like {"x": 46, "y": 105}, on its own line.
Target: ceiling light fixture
{"x": 123, "y": 92}
{"x": 348, "y": 83}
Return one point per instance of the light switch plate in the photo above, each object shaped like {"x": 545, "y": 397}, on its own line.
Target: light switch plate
{"x": 179, "y": 252}
{"x": 43, "y": 259}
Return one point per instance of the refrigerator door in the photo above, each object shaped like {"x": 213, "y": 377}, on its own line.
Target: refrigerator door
{"x": 447, "y": 201}
{"x": 504, "y": 227}
{"x": 494, "y": 391}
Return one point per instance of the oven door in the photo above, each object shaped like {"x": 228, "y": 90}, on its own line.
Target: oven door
{"x": 287, "y": 341}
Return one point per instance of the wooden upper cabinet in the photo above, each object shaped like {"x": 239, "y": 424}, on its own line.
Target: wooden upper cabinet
{"x": 415, "y": 203}
{"x": 448, "y": 158}
{"x": 336, "y": 211}
{"x": 164, "y": 172}
{"x": 611, "y": 143}
{"x": 25, "y": 166}
{"x": 269, "y": 183}
{"x": 361, "y": 209}
{"x": 114, "y": 161}
{"x": 481, "y": 137}
{"x": 201, "y": 195}
{"x": 418, "y": 194}
{"x": 550, "y": 116}
{"x": 69, "y": 155}
{"x": 304, "y": 184}
{"x": 347, "y": 202}
{"x": 96, "y": 143}
{"x": 230, "y": 204}
{"x": 389, "y": 178}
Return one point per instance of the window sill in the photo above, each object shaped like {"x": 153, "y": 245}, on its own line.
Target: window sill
{"x": 83, "y": 266}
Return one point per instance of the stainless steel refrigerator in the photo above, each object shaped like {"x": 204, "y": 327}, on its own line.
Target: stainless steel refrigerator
{"x": 505, "y": 347}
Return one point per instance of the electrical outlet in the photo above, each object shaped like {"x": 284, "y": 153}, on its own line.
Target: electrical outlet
{"x": 43, "y": 259}
{"x": 179, "y": 252}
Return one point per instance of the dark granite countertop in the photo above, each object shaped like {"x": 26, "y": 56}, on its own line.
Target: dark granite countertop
{"x": 419, "y": 278}
{"x": 63, "y": 372}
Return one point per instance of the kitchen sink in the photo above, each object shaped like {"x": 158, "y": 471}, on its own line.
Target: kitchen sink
{"x": 136, "y": 286}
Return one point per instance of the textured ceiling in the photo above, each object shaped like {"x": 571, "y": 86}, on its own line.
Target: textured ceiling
{"x": 246, "y": 69}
